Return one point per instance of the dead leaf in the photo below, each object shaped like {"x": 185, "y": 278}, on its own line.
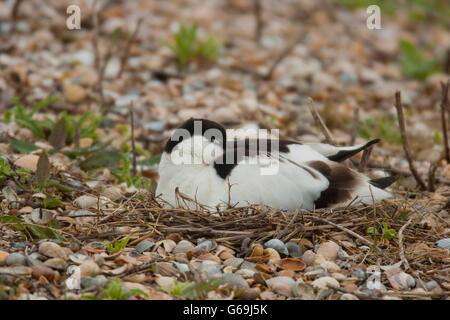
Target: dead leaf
{"x": 291, "y": 264}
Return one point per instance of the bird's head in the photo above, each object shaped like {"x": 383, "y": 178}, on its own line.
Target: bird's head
{"x": 196, "y": 141}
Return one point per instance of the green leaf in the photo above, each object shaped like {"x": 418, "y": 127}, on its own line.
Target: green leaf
{"x": 23, "y": 146}
{"x": 59, "y": 133}
{"x": 99, "y": 146}
{"x": 152, "y": 161}
{"x": 101, "y": 159}
{"x": 413, "y": 62}
{"x": 61, "y": 187}
{"x": 116, "y": 246}
{"x": 43, "y": 169}
{"x": 52, "y": 202}
{"x": 44, "y": 103}
{"x": 35, "y": 232}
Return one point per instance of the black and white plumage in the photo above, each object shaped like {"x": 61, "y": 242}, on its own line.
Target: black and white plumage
{"x": 215, "y": 172}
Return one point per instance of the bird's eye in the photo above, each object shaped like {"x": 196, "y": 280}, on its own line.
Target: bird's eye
{"x": 213, "y": 139}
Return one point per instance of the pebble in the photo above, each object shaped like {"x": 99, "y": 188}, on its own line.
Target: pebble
{"x": 330, "y": 266}
{"x": 211, "y": 270}
{"x": 282, "y": 285}
{"x": 83, "y": 56}
{"x": 144, "y": 245}
{"x": 87, "y": 282}
{"x": 3, "y": 257}
{"x": 444, "y": 243}
{"x": 329, "y": 250}
{"x": 431, "y": 285}
{"x": 273, "y": 254}
{"x": 277, "y": 245}
{"x": 349, "y": 296}
{"x": 84, "y": 202}
{"x": 183, "y": 246}
{"x": 308, "y": 257}
{"x": 339, "y": 276}
{"x": 183, "y": 267}
{"x": 313, "y": 273}
{"x": 343, "y": 255}
{"x": 235, "y": 281}
{"x": 113, "y": 193}
{"x": 246, "y": 273}
{"x": 52, "y": 250}
{"x": 294, "y": 250}
{"x": 35, "y": 259}
{"x": 41, "y": 270}
{"x": 208, "y": 245}
{"x": 323, "y": 282}
{"x": 248, "y": 265}
{"x": 16, "y": 271}
{"x": 74, "y": 93}
{"x": 56, "y": 263}
{"x": 359, "y": 273}
{"x": 89, "y": 269}
{"x": 233, "y": 262}
{"x": 16, "y": 259}
{"x": 250, "y": 294}
{"x": 155, "y": 126}
{"x": 28, "y": 162}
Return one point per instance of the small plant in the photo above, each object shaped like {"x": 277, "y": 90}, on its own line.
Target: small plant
{"x": 386, "y": 6}
{"x": 187, "y": 47}
{"x": 384, "y": 128}
{"x": 116, "y": 246}
{"x": 386, "y": 232}
{"x": 124, "y": 174}
{"x": 7, "y": 172}
{"x": 59, "y": 133}
{"x": 193, "y": 290}
{"x": 115, "y": 291}
{"x": 413, "y": 63}
{"x": 23, "y": 116}
{"x": 30, "y": 231}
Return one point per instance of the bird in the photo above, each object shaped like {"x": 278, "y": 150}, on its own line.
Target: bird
{"x": 201, "y": 168}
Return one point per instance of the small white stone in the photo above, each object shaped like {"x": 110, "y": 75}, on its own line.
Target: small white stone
{"x": 323, "y": 282}
{"x": 329, "y": 250}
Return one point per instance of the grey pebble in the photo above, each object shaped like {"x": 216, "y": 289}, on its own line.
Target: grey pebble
{"x": 277, "y": 245}
{"x": 360, "y": 274}
{"x": 444, "y": 243}
{"x": 234, "y": 262}
{"x": 235, "y": 281}
{"x": 56, "y": 263}
{"x": 430, "y": 285}
{"x": 208, "y": 245}
{"x": 87, "y": 282}
{"x": 16, "y": 258}
{"x": 144, "y": 245}
{"x": 294, "y": 250}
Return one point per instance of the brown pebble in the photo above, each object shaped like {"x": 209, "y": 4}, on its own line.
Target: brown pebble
{"x": 43, "y": 271}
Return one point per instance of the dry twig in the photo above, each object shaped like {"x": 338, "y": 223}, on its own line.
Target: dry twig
{"x": 365, "y": 159}
{"x": 257, "y": 10}
{"x": 133, "y": 144}
{"x": 319, "y": 121}
{"x": 286, "y": 52}
{"x": 14, "y": 14}
{"x": 355, "y": 126}
{"x": 445, "y": 108}
{"x": 401, "y": 122}
{"x": 126, "y": 52}
{"x": 400, "y": 243}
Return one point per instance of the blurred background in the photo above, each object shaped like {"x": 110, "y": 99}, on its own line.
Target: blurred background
{"x": 234, "y": 61}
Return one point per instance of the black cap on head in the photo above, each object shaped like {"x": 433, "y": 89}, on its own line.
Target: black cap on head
{"x": 197, "y": 126}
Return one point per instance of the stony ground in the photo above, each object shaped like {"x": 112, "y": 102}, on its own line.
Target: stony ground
{"x": 78, "y": 216}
